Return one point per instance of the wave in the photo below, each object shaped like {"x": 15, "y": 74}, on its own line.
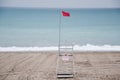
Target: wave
{"x": 87, "y": 47}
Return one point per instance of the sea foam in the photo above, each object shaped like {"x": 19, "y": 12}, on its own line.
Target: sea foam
{"x": 87, "y": 47}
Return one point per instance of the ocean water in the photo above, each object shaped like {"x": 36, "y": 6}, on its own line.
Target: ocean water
{"x": 38, "y": 29}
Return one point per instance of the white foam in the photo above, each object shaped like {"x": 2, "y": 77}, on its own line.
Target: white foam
{"x": 90, "y": 47}
{"x": 5, "y": 49}
{"x": 87, "y": 47}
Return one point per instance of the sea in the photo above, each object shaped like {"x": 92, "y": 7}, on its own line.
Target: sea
{"x": 30, "y": 29}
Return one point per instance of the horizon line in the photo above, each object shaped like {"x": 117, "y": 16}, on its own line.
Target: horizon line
{"x": 56, "y": 8}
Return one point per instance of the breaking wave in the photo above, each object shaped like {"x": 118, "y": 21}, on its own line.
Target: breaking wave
{"x": 87, "y": 47}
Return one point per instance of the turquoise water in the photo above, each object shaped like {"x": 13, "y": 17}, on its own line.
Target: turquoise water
{"x": 39, "y": 27}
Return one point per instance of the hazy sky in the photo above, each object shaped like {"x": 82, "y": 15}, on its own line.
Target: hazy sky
{"x": 61, "y": 3}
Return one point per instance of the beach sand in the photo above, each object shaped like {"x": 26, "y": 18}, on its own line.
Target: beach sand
{"x": 42, "y": 66}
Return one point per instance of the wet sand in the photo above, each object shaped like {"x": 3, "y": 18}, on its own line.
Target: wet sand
{"x": 42, "y": 66}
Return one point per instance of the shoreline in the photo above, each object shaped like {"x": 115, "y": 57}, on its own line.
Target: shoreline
{"x": 76, "y": 48}
{"x": 79, "y": 52}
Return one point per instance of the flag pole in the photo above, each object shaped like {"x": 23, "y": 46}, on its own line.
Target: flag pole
{"x": 59, "y": 30}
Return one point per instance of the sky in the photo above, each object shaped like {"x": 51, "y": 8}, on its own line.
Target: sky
{"x": 61, "y": 3}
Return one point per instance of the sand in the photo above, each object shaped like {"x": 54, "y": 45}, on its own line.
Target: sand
{"x": 42, "y": 66}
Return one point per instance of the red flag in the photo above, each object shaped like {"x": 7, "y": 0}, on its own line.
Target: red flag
{"x": 66, "y": 14}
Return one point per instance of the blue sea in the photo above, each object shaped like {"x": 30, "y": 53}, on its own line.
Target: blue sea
{"x": 40, "y": 28}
